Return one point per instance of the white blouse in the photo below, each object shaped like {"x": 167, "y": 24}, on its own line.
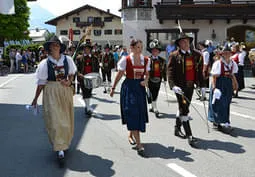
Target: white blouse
{"x": 216, "y": 67}
{"x": 206, "y": 56}
{"x": 122, "y": 64}
{"x": 42, "y": 69}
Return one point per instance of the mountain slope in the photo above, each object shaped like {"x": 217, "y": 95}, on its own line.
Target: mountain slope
{"x": 38, "y": 16}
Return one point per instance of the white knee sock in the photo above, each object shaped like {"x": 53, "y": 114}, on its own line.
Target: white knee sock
{"x": 154, "y": 105}
{"x": 87, "y": 103}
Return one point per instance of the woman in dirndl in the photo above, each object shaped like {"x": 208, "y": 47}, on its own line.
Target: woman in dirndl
{"x": 222, "y": 86}
{"x": 54, "y": 76}
{"x": 133, "y": 103}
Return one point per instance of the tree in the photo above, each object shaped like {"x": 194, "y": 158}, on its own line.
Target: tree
{"x": 15, "y": 27}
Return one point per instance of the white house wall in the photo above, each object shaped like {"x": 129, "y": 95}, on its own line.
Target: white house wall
{"x": 136, "y": 28}
{"x": 67, "y": 23}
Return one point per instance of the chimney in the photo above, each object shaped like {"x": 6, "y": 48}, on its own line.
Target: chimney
{"x": 108, "y": 10}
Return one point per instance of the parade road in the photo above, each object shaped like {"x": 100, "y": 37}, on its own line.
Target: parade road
{"x": 100, "y": 146}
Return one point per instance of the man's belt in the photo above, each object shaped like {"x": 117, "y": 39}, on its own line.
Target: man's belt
{"x": 190, "y": 83}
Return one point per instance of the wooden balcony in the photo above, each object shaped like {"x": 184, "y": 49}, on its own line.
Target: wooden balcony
{"x": 85, "y": 24}
{"x": 210, "y": 10}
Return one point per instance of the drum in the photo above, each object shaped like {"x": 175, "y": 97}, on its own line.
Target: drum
{"x": 92, "y": 80}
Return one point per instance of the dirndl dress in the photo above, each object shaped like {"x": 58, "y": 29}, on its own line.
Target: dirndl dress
{"x": 219, "y": 111}
{"x": 133, "y": 104}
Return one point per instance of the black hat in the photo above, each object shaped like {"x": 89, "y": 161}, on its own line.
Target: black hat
{"x": 183, "y": 36}
{"x": 203, "y": 43}
{"x": 54, "y": 39}
{"x": 154, "y": 44}
{"x": 87, "y": 44}
{"x": 107, "y": 46}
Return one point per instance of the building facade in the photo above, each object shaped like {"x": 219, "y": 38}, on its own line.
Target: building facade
{"x": 38, "y": 35}
{"x": 106, "y": 27}
{"x": 202, "y": 19}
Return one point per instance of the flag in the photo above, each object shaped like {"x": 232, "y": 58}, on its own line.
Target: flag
{"x": 7, "y": 7}
{"x": 70, "y": 35}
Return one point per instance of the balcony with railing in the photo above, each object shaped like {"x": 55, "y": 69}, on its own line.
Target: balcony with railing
{"x": 94, "y": 24}
{"x": 136, "y": 4}
{"x": 204, "y": 9}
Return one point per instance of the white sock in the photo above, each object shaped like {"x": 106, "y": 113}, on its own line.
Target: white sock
{"x": 87, "y": 103}
{"x": 154, "y": 105}
{"x": 61, "y": 153}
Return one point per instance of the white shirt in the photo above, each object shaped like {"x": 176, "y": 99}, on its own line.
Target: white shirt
{"x": 42, "y": 69}
{"x": 122, "y": 64}
{"x": 216, "y": 67}
{"x": 18, "y": 56}
{"x": 241, "y": 58}
{"x": 206, "y": 56}
{"x": 184, "y": 52}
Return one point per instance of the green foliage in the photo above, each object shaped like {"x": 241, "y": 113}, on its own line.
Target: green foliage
{"x": 15, "y": 27}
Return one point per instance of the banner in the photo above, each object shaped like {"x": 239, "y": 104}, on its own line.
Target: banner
{"x": 7, "y": 7}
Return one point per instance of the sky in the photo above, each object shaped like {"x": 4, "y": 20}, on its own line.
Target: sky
{"x": 59, "y": 7}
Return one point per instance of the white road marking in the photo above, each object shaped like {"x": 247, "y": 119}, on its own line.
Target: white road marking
{"x": 178, "y": 169}
{"x": 200, "y": 104}
{"x": 6, "y": 82}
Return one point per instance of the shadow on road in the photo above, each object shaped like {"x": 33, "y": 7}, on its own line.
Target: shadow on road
{"x": 220, "y": 145}
{"x": 156, "y": 150}
{"x": 95, "y": 165}
{"x": 163, "y": 115}
{"x": 242, "y": 132}
{"x": 26, "y": 151}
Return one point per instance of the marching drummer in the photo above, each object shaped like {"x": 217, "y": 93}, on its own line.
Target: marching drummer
{"x": 86, "y": 63}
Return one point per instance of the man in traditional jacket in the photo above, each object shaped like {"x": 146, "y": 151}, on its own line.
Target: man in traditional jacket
{"x": 157, "y": 72}
{"x": 86, "y": 63}
{"x": 107, "y": 64}
{"x": 185, "y": 68}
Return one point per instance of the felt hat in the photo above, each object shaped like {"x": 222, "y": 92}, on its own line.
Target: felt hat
{"x": 54, "y": 39}
{"x": 183, "y": 36}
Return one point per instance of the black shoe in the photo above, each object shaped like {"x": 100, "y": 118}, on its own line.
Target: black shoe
{"x": 151, "y": 110}
{"x": 157, "y": 114}
{"x": 203, "y": 99}
{"x": 105, "y": 91}
{"x": 178, "y": 132}
{"x": 216, "y": 126}
{"x": 131, "y": 141}
{"x": 89, "y": 112}
{"x": 192, "y": 142}
{"x": 140, "y": 151}
{"x": 61, "y": 160}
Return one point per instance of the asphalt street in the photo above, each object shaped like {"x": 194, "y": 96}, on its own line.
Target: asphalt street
{"x": 100, "y": 146}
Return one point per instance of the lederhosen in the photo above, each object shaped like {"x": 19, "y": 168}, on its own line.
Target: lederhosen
{"x": 157, "y": 72}
{"x": 108, "y": 64}
{"x": 86, "y": 65}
